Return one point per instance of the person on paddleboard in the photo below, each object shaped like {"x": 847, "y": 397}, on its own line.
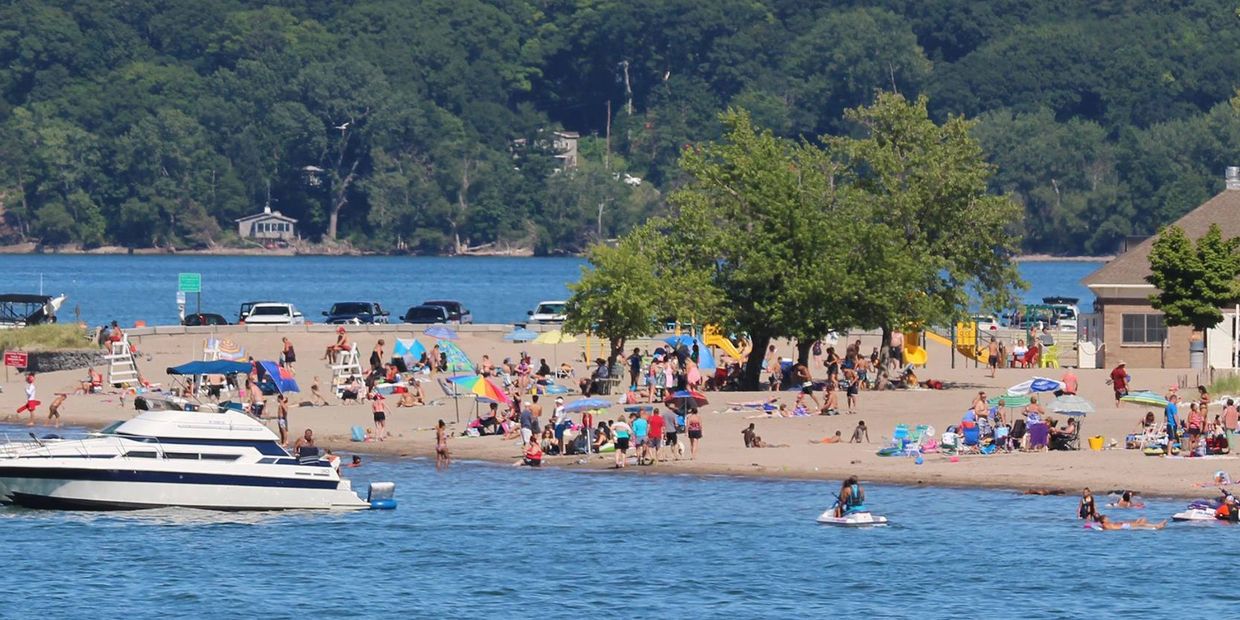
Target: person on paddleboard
{"x": 851, "y": 497}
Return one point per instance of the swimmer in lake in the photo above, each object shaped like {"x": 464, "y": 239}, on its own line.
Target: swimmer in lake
{"x": 1125, "y": 501}
{"x": 1139, "y": 524}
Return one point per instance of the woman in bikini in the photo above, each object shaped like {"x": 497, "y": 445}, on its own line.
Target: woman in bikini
{"x": 693, "y": 424}
{"x": 442, "y": 458}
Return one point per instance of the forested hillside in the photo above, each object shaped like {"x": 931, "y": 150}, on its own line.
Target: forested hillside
{"x": 418, "y": 125}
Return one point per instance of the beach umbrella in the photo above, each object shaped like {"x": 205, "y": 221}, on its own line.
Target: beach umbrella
{"x": 440, "y": 332}
{"x": 480, "y": 387}
{"x": 587, "y": 404}
{"x": 280, "y": 378}
{"x": 520, "y": 335}
{"x": 680, "y": 341}
{"x": 1070, "y": 404}
{"x": 1010, "y": 401}
{"x": 554, "y": 338}
{"x": 697, "y": 397}
{"x": 1146, "y": 398}
{"x": 1034, "y": 385}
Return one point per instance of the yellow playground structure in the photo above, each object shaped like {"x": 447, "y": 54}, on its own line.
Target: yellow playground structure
{"x": 914, "y": 349}
{"x": 711, "y": 337}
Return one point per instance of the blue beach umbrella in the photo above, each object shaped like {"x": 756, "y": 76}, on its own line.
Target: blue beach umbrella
{"x": 587, "y": 404}
{"x": 520, "y": 335}
{"x": 1035, "y": 385}
{"x": 440, "y": 332}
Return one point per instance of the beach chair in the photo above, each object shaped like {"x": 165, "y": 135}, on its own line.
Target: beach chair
{"x": 1068, "y": 442}
{"x": 949, "y": 443}
{"x": 1050, "y": 357}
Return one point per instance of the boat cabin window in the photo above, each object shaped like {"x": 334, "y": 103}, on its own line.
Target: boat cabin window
{"x": 141, "y": 454}
{"x": 220, "y": 457}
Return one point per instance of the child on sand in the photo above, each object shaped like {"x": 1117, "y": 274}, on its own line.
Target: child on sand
{"x": 53, "y": 410}
{"x": 859, "y": 431}
{"x": 316, "y": 393}
{"x": 836, "y": 438}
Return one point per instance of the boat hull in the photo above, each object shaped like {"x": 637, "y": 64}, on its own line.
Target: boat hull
{"x": 129, "y": 490}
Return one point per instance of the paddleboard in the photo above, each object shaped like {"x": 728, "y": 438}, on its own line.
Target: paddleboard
{"x": 852, "y": 519}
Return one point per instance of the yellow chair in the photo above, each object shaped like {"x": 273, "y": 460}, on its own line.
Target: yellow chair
{"x": 1050, "y": 357}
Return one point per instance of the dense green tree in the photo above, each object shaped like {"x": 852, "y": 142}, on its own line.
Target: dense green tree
{"x": 1194, "y": 280}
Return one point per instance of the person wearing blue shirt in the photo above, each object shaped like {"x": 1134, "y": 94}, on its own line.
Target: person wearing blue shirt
{"x": 641, "y": 428}
{"x": 1172, "y": 411}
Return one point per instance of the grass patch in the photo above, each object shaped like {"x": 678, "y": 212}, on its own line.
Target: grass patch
{"x": 1226, "y": 385}
{"x": 44, "y": 338}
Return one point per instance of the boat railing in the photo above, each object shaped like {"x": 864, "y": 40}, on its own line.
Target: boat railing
{"x": 12, "y": 447}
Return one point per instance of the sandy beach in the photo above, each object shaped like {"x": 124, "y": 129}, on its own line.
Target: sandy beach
{"x": 722, "y": 451}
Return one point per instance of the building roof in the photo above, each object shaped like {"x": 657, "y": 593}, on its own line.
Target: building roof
{"x": 1131, "y": 267}
{"x": 274, "y": 215}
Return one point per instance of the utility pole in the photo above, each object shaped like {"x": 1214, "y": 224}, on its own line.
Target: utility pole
{"x": 607, "y": 152}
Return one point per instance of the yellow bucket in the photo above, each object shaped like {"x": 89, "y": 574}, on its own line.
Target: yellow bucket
{"x": 1095, "y": 443}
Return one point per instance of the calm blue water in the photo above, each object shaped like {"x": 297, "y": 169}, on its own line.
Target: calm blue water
{"x": 499, "y": 542}
{"x": 498, "y": 290}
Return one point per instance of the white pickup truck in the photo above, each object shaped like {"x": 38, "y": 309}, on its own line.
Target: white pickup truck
{"x": 270, "y": 313}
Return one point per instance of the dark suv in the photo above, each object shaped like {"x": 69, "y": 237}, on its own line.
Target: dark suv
{"x": 356, "y": 312}
{"x": 457, "y": 313}
{"x": 425, "y": 314}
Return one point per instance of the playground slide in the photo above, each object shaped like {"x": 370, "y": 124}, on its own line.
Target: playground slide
{"x": 914, "y": 355}
{"x": 712, "y": 338}
{"x": 968, "y": 350}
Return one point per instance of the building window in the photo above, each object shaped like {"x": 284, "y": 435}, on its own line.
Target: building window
{"x": 1144, "y": 329}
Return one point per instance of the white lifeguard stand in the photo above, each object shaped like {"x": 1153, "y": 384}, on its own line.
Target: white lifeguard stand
{"x": 122, "y": 369}
{"x": 347, "y": 364}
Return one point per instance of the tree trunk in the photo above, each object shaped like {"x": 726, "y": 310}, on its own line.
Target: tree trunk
{"x": 340, "y": 199}
{"x": 617, "y": 350}
{"x": 803, "y": 349}
{"x": 751, "y": 377}
{"x": 884, "y": 348}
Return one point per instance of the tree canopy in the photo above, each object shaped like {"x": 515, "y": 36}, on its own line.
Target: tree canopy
{"x": 1194, "y": 280}
{"x": 430, "y": 126}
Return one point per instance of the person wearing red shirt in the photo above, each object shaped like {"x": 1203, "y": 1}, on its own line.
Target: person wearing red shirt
{"x": 1119, "y": 381}
{"x": 655, "y": 437}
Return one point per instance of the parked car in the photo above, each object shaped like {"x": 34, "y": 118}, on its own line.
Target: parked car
{"x": 247, "y": 306}
{"x": 356, "y": 312}
{"x": 457, "y": 313}
{"x": 548, "y": 312}
{"x": 203, "y": 318}
{"x": 425, "y": 314}
{"x": 269, "y": 313}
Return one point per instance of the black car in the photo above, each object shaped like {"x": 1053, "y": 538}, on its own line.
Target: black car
{"x": 457, "y": 313}
{"x": 203, "y": 318}
{"x": 425, "y": 314}
{"x": 356, "y": 312}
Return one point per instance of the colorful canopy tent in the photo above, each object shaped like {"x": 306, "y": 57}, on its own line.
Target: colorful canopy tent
{"x": 408, "y": 349}
{"x": 457, "y": 360}
{"x": 278, "y": 379}
{"x": 217, "y": 367}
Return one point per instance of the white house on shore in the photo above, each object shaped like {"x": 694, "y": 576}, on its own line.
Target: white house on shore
{"x": 268, "y": 225}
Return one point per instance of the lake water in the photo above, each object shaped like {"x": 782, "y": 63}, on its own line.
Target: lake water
{"x": 498, "y": 290}
{"x": 487, "y": 541}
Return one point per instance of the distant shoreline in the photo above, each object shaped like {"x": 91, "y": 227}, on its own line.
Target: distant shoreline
{"x": 33, "y": 249}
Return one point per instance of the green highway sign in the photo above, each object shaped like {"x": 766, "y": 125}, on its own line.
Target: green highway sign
{"x": 189, "y": 282}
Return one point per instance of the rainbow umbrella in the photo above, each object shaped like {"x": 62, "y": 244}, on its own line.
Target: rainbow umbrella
{"x": 479, "y": 386}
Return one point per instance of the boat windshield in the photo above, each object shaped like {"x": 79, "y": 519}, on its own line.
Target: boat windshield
{"x": 111, "y": 428}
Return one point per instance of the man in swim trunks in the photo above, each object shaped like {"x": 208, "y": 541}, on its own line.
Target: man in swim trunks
{"x": 851, "y": 496}
{"x": 53, "y": 410}
{"x": 1139, "y": 524}
{"x": 282, "y": 418}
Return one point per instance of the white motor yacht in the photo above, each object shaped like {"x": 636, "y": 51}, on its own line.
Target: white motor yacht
{"x": 217, "y": 461}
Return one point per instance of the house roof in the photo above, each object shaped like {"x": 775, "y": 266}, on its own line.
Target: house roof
{"x": 1131, "y": 267}
{"x": 273, "y": 215}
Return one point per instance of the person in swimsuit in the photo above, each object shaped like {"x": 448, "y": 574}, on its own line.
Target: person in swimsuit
{"x": 341, "y": 344}
{"x": 1087, "y": 509}
{"x": 1139, "y": 524}
{"x": 288, "y": 356}
{"x": 282, "y": 418}
{"x": 532, "y": 457}
{"x": 806, "y": 383}
{"x": 1125, "y": 501}
{"x": 376, "y": 356}
{"x": 32, "y": 402}
{"x": 441, "y": 445}
{"x": 851, "y": 497}
{"x": 316, "y": 393}
{"x": 305, "y": 444}
{"x": 53, "y": 410}
{"x": 621, "y": 431}
{"x": 379, "y": 408}
{"x": 693, "y": 424}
